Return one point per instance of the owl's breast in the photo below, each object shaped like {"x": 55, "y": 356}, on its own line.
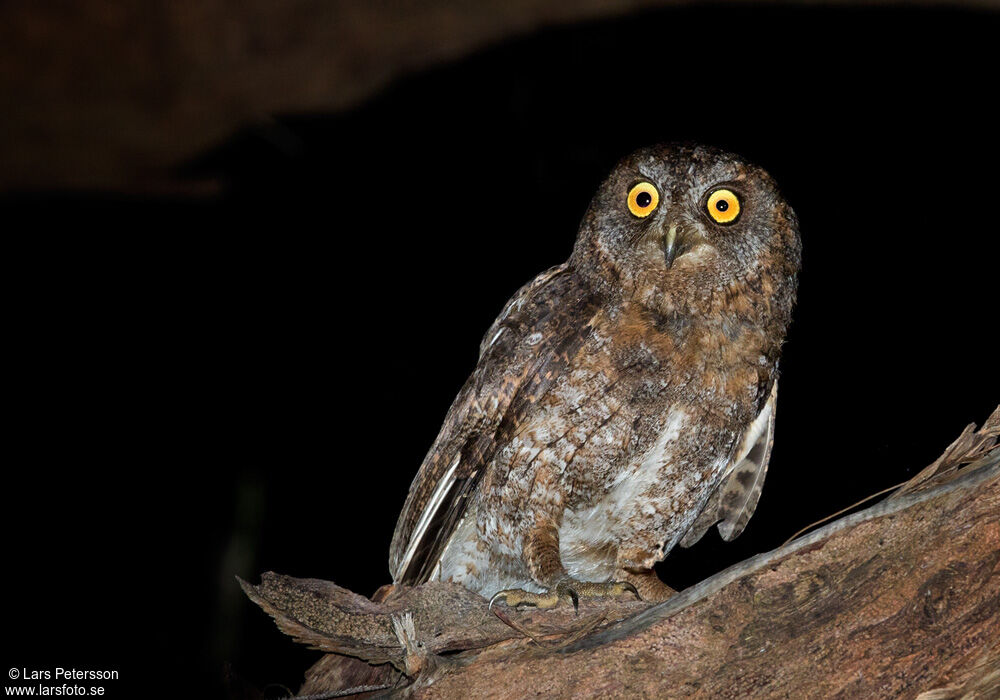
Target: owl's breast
{"x": 651, "y": 502}
{"x": 685, "y": 392}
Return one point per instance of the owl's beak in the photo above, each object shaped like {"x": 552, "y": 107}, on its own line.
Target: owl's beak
{"x": 673, "y": 243}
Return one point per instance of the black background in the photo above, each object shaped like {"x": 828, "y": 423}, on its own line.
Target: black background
{"x": 220, "y": 387}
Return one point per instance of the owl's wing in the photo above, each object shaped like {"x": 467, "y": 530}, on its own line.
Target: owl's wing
{"x": 735, "y": 499}
{"x": 539, "y": 331}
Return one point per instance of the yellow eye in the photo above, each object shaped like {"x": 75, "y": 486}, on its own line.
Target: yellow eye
{"x": 642, "y": 199}
{"x": 723, "y": 206}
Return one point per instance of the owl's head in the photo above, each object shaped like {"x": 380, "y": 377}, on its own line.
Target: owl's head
{"x": 674, "y": 226}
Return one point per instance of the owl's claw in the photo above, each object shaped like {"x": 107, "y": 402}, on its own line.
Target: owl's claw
{"x": 516, "y": 597}
{"x": 626, "y": 586}
{"x": 566, "y": 588}
{"x": 611, "y": 589}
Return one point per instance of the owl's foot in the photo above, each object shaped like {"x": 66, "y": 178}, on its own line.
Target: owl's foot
{"x": 566, "y": 588}
{"x": 517, "y": 597}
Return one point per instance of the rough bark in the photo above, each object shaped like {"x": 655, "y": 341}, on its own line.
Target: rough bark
{"x": 901, "y": 600}
{"x": 101, "y": 94}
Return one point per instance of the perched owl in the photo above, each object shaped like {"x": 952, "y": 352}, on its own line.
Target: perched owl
{"x": 624, "y": 401}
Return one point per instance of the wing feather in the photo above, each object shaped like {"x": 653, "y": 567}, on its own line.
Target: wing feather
{"x": 733, "y": 502}
{"x": 743, "y": 487}
{"x": 541, "y": 328}
{"x": 708, "y": 517}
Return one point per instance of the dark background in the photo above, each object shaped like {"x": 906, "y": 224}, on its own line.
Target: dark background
{"x": 205, "y": 388}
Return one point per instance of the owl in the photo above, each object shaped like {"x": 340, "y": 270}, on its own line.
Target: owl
{"x": 624, "y": 401}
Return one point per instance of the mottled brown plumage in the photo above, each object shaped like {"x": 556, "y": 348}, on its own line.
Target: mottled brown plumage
{"x": 623, "y": 401}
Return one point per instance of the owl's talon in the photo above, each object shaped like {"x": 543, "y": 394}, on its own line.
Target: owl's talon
{"x": 515, "y": 598}
{"x": 626, "y": 586}
{"x": 566, "y": 588}
{"x": 563, "y": 589}
{"x": 611, "y": 589}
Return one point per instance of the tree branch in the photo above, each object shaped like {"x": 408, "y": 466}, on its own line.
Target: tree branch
{"x": 100, "y": 94}
{"x": 900, "y": 599}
